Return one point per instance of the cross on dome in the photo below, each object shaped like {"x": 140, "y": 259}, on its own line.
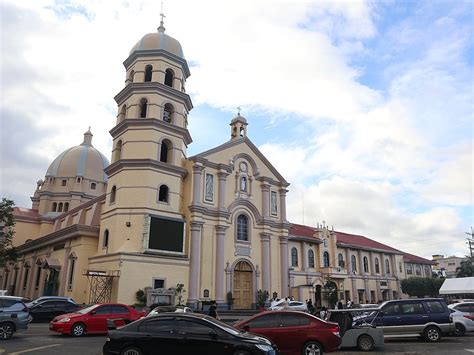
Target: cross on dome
{"x": 162, "y": 22}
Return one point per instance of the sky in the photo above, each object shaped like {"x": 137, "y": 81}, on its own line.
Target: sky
{"x": 365, "y": 107}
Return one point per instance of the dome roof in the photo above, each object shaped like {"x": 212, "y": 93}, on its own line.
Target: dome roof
{"x": 159, "y": 40}
{"x": 82, "y": 160}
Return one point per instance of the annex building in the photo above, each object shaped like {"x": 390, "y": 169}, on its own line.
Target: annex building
{"x": 154, "y": 217}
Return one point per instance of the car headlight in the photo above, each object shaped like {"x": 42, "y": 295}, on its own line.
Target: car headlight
{"x": 64, "y": 320}
{"x": 266, "y": 348}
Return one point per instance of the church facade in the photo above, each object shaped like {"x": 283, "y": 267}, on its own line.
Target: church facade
{"x": 154, "y": 217}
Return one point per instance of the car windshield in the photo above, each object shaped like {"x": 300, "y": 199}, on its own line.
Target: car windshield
{"x": 223, "y": 326}
{"x": 88, "y": 309}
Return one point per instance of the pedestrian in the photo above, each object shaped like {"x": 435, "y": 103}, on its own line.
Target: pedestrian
{"x": 213, "y": 310}
{"x": 292, "y": 298}
{"x": 349, "y": 303}
{"x": 339, "y": 305}
{"x": 323, "y": 313}
{"x": 310, "y": 306}
{"x": 285, "y": 304}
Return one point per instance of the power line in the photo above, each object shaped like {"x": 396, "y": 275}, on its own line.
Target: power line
{"x": 470, "y": 241}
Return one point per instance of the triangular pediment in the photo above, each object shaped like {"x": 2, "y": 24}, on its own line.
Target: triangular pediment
{"x": 226, "y": 154}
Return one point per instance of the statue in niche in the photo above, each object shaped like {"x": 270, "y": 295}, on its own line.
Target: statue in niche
{"x": 243, "y": 183}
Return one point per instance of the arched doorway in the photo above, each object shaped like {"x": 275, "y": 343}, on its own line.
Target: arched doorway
{"x": 243, "y": 289}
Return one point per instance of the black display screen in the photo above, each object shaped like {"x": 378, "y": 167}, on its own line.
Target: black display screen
{"x": 166, "y": 234}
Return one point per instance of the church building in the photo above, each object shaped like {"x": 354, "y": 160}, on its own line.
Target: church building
{"x": 155, "y": 217}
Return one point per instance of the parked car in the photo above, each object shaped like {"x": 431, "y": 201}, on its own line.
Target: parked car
{"x": 168, "y": 309}
{"x": 93, "y": 319}
{"x": 47, "y": 310}
{"x": 463, "y": 317}
{"x": 426, "y": 317}
{"x": 294, "y": 332}
{"x": 184, "y": 333}
{"x": 293, "y": 305}
{"x": 13, "y": 316}
{"x": 49, "y": 298}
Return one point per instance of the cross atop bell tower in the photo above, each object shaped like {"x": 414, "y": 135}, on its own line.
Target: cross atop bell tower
{"x": 238, "y": 126}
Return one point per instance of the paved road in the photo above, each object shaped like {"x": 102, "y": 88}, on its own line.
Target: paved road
{"x": 39, "y": 340}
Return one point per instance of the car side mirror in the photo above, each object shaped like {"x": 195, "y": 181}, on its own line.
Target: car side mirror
{"x": 93, "y": 313}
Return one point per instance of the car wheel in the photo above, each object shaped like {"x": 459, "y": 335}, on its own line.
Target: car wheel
{"x": 6, "y": 330}
{"x": 78, "y": 330}
{"x": 312, "y": 348}
{"x": 432, "y": 334}
{"x": 30, "y": 318}
{"x": 460, "y": 330}
{"x": 131, "y": 351}
{"x": 365, "y": 343}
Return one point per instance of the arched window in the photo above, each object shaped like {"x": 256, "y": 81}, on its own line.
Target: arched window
{"x": 294, "y": 257}
{"x": 366, "y": 264}
{"x": 113, "y": 192}
{"x": 163, "y": 194}
{"x": 353, "y": 263}
{"x": 106, "y": 239}
{"x": 168, "y": 113}
{"x": 387, "y": 267}
{"x": 164, "y": 152}
{"x": 242, "y": 227}
{"x": 143, "y": 108}
{"x": 205, "y": 293}
{"x": 122, "y": 113}
{"x": 131, "y": 75}
{"x": 66, "y": 206}
{"x": 148, "y": 72}
{"x": 310, "y": 258}
{"x": 55, "y": 206}
{"x": 340, "y": 260}
{"x": 377, "y": 266}
{"x": 326, "y": 259}
{"x": 93, "y": 185}
{"x": 169, "y": 77}
{"x": 118, "y": 151}
{"x": 60, "y": 207}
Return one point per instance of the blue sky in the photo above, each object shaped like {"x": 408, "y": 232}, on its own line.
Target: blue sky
{"x": 365, "y": 107}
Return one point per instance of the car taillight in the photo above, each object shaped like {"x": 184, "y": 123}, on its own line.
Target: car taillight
{"x": 335, "y": 330}
{"x": 468, "y": 317}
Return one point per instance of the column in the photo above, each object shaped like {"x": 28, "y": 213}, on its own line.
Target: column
{"x": 195, "y": 264}
{"x": 283, "y": 192}
{"x": 197, "y": 183}
{"x": 305, "y": 261}
{"x": 64, "y": 271}
{"x": 378, "y": 291}
{"x": 348, "y": 262}
{"x": 19, "y": 285}
{"x": 361, "y": 264}
{"x": 367, "y": 291}
{"x": 382, "y": 265}
{"x": 228, "y": 282}
{"x": 220, "y": 246}
{"x": 394, "y": 269}
{"x": 221, "y": 176}
{"x": 265, "y": 240}
{"x": 284, "y": 266}
{"x": 34, "y": 274}
{"x": 355, "y": 294}
{"x": 372, "y": 263}
{"x": 265, "y": 199}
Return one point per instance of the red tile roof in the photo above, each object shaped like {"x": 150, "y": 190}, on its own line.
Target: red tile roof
{"x": 302, "y": 231}
{"x": 410, "y": 258}
{"x": 25, "y": 212}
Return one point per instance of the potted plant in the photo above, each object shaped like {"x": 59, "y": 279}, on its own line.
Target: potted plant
{"x": 262, "y": 297}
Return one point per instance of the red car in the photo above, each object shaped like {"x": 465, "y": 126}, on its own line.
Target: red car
{"x": 294, "y": 332}
{"x": 93, "y": 319}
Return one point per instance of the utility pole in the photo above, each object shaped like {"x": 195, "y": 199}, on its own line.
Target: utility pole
{"x": 470, "y": 241}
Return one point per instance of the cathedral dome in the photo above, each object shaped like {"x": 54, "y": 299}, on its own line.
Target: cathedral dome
{"x": 82, "y": 160}
{"x": 159, "y": 40}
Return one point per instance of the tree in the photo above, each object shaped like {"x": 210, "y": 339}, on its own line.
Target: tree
{"x": 179, "y": 292}
{"x": 467, "y": 268}
{"x": 7, "y": 251}
{"x": 422, "y": 286}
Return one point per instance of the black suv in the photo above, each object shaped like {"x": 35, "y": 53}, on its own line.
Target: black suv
{"x": 426, "y": 317}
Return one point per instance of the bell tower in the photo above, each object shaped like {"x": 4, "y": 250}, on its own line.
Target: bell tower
{"x": 150, "y": 141}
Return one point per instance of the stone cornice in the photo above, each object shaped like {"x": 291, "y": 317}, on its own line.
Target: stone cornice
{"x": 157, "y": 53}
{"x": 146, "y": 122}
{"x": 209, "y": 164}
{"x": 135, "y": 88}
{"x": 75, "y": 230}
{"x": 209, "y": 211}
{"x": 305, "y": 239}
{"x": 144, "y": 163}
{"x": 363, "y": 248}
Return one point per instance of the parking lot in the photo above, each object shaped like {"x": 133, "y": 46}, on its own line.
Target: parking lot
{"x": 40, "y": 340}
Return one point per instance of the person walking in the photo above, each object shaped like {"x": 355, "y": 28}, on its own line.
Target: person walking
{"x": 323, "y": 314}
{"x": 213, "y": 311}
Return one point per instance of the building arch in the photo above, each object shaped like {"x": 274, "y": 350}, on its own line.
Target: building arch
{"x": 254, "y": 168}
{"x": 163, "y": 193}
{"x": 243, "y": 272}
{"x": 294, "y": 257}
{"x": 113, "y": 193}
{"x": 387, "y": 267}
{"x": 143, "y": 107}
{"x": 168, "y": 112}
{"x": 253, "y": 211}
{"x": 117, "y": 153}
{"x": 377, "y": 266}
{"x": 148, "y": 73}
{"x": 169, "y": 77}
{"x": 340, "y": 260}
{"x": 353, "y": 263}
{"x": 122, "y": 114}
{"x": 166, "y": 151}
{"x": 311, "y": 258}
{"x": 326, "y": 261}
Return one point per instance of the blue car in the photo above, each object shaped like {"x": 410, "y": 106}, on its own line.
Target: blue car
{"x": 425, "y": 317}
{"x": 13, "y": 316}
